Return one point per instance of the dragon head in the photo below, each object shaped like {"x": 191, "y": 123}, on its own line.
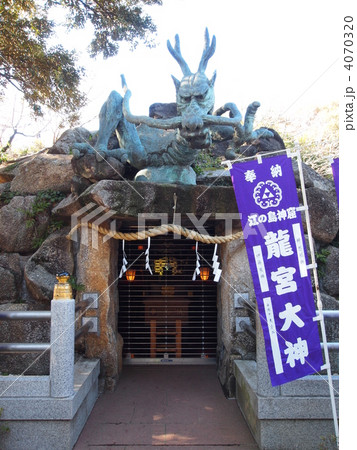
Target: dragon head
{"x": 195, "y": 102}
{"x": 194, "y": 95}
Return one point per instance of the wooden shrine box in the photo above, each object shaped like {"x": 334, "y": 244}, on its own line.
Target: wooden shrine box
{"x": 166, "y": 317}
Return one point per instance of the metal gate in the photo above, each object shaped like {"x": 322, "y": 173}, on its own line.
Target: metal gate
{"x": 166, "y": 316}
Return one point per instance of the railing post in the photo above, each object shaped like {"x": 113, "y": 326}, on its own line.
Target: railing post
{"x": 62, "y": 344}
{"x": 62, "y": 348}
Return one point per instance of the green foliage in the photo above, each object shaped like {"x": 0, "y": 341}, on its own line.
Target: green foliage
{"x": 328, "y": 443}
{"x": 35, "y": 147}
{"x": 3, "y": 428}
{"x": 44, "y": 201}
{"x": 6, "y": 197}
{"x": 316, "y": 133}
{"x": 49, "y": 75}
{"x": 322, "y": 255}
{"x": 113, "y": 22}
{"x": 11, "y": 167}
{"x": 321, "y": 258}
{"x": 3, "y": 157}
{"x": 205, "y": 161}
{"x": 77, "y": 287}
{"x": 45, "y": 75}
{"x": 55, "y": 225}
{"x": 38, "y": 241}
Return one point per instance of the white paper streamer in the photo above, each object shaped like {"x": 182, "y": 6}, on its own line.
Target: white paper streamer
{"x": 216, "y": 270}
{"x": 197, "y": 270}
{"x": 125, "y": 262}
{"x": 147, "y": 261}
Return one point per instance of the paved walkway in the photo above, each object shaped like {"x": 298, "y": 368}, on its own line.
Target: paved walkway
{"x": 180, "y": 407}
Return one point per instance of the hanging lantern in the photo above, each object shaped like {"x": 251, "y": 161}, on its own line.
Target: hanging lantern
{"x": 130, "y": 274}
{"x": 204, "y": 273}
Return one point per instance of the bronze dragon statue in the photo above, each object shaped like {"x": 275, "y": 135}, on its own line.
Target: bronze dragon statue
{"x": 163, "y": 150}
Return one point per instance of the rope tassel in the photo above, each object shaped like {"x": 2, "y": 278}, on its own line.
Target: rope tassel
{"x": 147, "y": 261}
{"x": 216, "y": 270}
{"x": 197, "y": 270}
{"x": 125, "y": 262}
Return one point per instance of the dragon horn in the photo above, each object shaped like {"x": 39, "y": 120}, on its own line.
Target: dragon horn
{"x": 208, "y": 51}
{"x": 176, "y": 53}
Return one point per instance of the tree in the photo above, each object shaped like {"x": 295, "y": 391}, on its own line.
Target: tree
{"x": 49, "y": 76}
{"x": 18, "y": 122}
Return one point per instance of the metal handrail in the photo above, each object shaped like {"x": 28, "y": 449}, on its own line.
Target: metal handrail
{"x": 333, "y": 346}
{"x": 84, "y": 329}
{"x": 83, "y": 304}
{"x": 330, "y": 313}
{"x": 25, "y": 315}
{"x": 248, "y": 328}
{"x": 61, "y": 346}
{"x": 24, "y": 348}
{"x": 327, "y": 313}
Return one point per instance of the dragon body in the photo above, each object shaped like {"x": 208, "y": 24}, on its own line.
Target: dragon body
{"x": 163, "y": 150}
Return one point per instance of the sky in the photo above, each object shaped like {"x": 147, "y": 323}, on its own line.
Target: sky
{"x": 284, "y": 54}
{"x": 281, "y": 53}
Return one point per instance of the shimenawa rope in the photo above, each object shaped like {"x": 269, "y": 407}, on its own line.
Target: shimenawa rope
{"x": 156, "y": 231}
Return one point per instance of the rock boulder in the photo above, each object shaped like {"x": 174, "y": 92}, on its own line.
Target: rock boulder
{"x": 17, "y": 234}
{"x": 64, "y": 144}
{"x": 10, "y": 277}
{"x": 330, "y": 281}
{"x": 42, "y": 173}
{"x": 129, "y": 199}
{"x": 88, "y": 167}
{"x": 312, "y": 178}
{"x": 8, "y": 172}
{"x": 324, "y": 216}
{"x": 54, "y": 255}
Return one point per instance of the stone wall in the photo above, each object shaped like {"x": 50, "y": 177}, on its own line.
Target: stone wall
{"x": 99, "y": 274}
{"x": 32, "y": 250}
{"x": 236, "y": 279}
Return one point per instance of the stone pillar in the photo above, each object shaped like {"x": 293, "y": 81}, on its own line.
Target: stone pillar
{"x": 62, "y": 348}
{"x": 236, "y": 278}
{"x": 97, "y": 270}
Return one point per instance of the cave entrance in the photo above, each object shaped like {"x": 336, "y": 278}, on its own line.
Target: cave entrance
{"x": 167, "y": 317}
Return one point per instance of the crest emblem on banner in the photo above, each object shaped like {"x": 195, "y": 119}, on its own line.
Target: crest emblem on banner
{"x": 267, "y": 194}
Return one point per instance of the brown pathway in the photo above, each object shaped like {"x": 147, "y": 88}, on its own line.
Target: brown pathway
{"x": 179, "y": 407}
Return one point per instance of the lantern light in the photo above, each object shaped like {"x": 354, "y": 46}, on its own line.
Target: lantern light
{"x": 130, "y": 274}
{"x": 204, "y": 273}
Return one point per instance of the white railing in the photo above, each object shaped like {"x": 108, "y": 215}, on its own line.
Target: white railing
{"x": 61, "y": 345}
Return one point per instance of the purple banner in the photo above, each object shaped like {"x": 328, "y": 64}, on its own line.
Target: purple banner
{"x": 336, "y": 176}
{"x": 267, "y": 200}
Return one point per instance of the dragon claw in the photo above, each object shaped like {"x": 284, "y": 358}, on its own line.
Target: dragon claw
{"x": 80, "y": 149}
{"x": 100, "y": 156}
{"x": 262, "y": 133}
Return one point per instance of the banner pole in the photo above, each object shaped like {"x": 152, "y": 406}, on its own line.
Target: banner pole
{"x": 318, "y": 296}
{"x": 229, "y": 162}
